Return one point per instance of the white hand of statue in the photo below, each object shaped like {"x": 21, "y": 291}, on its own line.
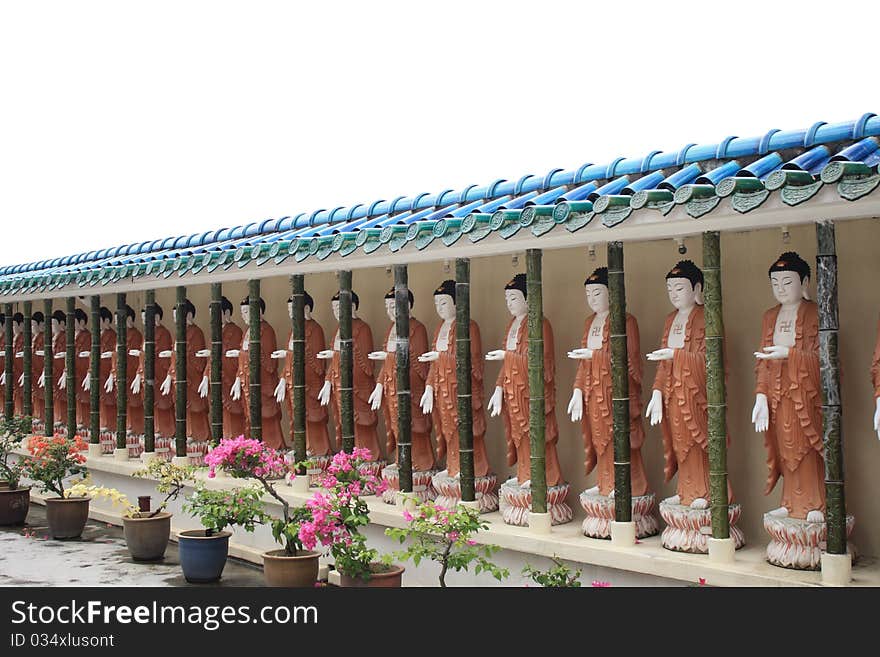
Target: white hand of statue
{"x": 82, "y": 354}
{"x": 497, "y": 354}
{"x": 106, "y": 354}
{"x": 278, "y": 353}
{"x": 429, "y": 356}
{"x": 761, "y": 413}
{"x": 19, "y": 354}
{"x": 165, "y": 388}
{"x": 235, "y": 391}
{"x": 164, "y": 354}
{"x": 580, "y": 354}
{"x": 40, "y": 352}
{"x": 2, "y": 378}
{"x": 203, "y": 353}
{"x": 773, "y": 352}
{"x": 280, "y": 390}
{"x": 375, "y": 399}
{"x": 655, "y": 408}
{"x": 232, "y": 353}
{"x": 86, "y": 383}
{"x": 495, "y": 401}
{"x": 203, "y": 387}
{"x": 576, "y": 405}
{"x": 21, "y": 381}
{"x": 661, "y": 354}
{"x": 324, "y": 355}
{"x": 136, "y": 384}
{"x": 134, "y": 352}
{"x": 877, "y": 418}
{"x": 108, "y": 384}
{"x": 41, "y": 382}
{"x": 377, "y": 355}
{"x": 427, "y": 400}
{"x": 62, "y": 380}
{"x": 324, "y": 393}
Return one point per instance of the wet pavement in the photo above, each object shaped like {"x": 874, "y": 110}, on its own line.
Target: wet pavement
{"x": 28, "y": 557}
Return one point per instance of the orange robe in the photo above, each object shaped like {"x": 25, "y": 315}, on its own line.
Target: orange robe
{"x": 514, "y": 381}
{"x": 363, "y": 383}
{"x": 37, "y": 365}
{"x": 163, "y": 405}
{"x": 794, "y": 438}
{"x": 271, "y": 409}
{"x": 197, "y": 426}
{"x": 317, "y": 436}
{"x": 135, "y": 402}
{"x": 17, "y": 371}
{"x": 83, "y": 342}
{"x": 59, "y": 396}
{"x": 108, "y": 399}
{"x": 233, "y": 409}
{"x": 422, "y": 454}
{"x": 594, "y": 379}
{"x": 443, "y": 379}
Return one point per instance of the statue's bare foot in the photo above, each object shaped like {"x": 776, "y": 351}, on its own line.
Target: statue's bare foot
{"x": 443, "y": 473}
{"x": 513, "y": 481}
{"x": 610, "y": 494}
{"x": 700, "y": 503}
{"x": 675, "y": 499}
{"x": 526, "y": 484}
{"x": 592, "y": 491}
{"x": 815, "y": 516}
{"x": 781, "y": 512}
{"x": 458, "y": 475}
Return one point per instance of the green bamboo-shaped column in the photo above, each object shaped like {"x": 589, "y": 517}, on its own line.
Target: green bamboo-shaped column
{"x": 95, "y": 371}
{"x": 149, "y": 382}
{"x": 48, "y": 367}
{"x": 70, "y": 366}
{"x": 829, "y": 367}
{"x": 180, "y": 374}
{"x": 619, "y": 384}
{"x": 121, "y": 372}
{"x": 537, "y": 417}
{"x": 216, "y": 382}
{"x": 254, "y": 356}
{"x": 298, "y": 325}
{"x": 463, "y": 377}
{"x": 346, "y": 363}
{"x": 27, "y": 388}
{"x": 9, "y": 405}
{"x": 404, "y": 393}
{"x": 716, "y": 395}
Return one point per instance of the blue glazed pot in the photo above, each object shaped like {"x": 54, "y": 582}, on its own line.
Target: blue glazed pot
{"x": 202, "y": 557}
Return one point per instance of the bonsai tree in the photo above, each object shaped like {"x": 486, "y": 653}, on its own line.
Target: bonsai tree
{"x": 445, "y": 536}
{"x": 558, "y": 576}
{"x": 54, "y": 459}
{"x": 219, "y": 509}
{"x": 172, "y": 480}
{"x": 338, "y": 515}
{"x": 245, "y": 458}
{"x": 12, "y": 432}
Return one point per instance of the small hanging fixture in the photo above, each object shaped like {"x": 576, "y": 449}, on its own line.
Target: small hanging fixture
{"x": 514, "y": 261}
{"x": 591, "y": 252}
{"x": 682, "y": 249}
{"x": 388, "y": 270}
{"x": 446, "y": 266}
{"x": 786, "y": 236}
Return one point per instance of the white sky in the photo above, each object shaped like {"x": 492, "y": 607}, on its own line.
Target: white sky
{"x": 121, "y": 121}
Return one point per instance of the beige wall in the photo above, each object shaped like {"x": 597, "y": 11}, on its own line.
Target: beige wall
{"x": 746, "y": 257}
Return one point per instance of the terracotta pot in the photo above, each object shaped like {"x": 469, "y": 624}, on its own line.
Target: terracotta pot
{"x": 386, "y": 579}
{"x": 147, "y": 538}
{"x": 67, "y": 516}
{"x": 14, "y": 505}
{"x": 202, "y": 557}
{"x": 281, "y": 569}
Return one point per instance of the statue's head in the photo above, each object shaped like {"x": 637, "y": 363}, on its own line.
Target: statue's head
{"x": 245, "y": 308}
{"x": 17, "y": 323}
{"x": 225, "y": 310}
{"x": 390, "y": 304}
{"x": 515, "y": 295}
{"x": 157, "y": 314}
{"x": 308, "y": 305}
{"x": 789, "y": 278}
{"x": 596, "y": 289}
{"x": 59, "y": 322}
{"x": 129, "y": 316}
{"x": 190, "y": 311}
{"x": 38, "y": 322}
{"x": 106, "y": 318}
{"x": 684, "y": 284}
{"x": 81, "y": 320}
{"x": 444, "y": 300}
{"x": 355, "y": 304}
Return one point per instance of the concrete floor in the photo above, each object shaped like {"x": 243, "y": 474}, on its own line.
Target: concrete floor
{"x": 29, "y": 558}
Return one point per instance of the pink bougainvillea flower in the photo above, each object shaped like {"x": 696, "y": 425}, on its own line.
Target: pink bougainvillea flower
{"x": 601, "y": 585}
{"x": 702, "y": 581}
{"x": 407, "y": 516}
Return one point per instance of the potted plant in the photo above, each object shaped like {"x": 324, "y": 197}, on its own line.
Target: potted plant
{"x": 445, "y": 536}
{"x": 247, "y": 458}
{"x": 337, "y": 517}
{"x": 15, "y": 500}
{"x": 51, "y": 461}
{"x": 147, "y": 532}
{"x": 203, "y": 552}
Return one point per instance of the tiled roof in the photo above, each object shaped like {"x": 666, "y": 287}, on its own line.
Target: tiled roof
{"x": 744, "y": 172}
